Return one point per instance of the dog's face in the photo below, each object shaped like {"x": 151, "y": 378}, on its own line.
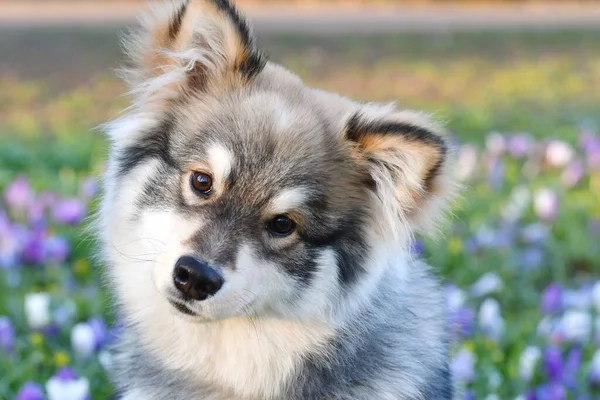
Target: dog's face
{"x": 233, "y": 190}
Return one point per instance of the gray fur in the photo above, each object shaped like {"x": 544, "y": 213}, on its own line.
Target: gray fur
{"x": 344, "y": 274}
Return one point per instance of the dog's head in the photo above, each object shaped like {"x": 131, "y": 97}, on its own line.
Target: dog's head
{"x": 234, "y": 189}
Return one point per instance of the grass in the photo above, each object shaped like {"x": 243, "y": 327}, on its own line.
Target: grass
{"x": 544, "y": 84}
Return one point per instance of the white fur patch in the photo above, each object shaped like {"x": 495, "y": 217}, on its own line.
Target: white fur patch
{"x": 288, "y": 200}
{"x": 220, "y": 160}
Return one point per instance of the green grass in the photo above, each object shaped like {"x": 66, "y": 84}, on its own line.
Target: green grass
{"x": 545, "y": 84}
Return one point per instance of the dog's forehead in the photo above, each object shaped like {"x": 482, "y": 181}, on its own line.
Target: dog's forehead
{"x": 261, "y": 131}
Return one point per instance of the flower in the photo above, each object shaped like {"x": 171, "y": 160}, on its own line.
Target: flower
{"x": 7, "y": 335}
{"x": 520, "y": 145}
{"x": 495, "y": 143}
{"x": 545, "y": 204}
{"x": 531, "y": 257}
{"x": 83, "y": 340}
{"x": 56, "y": 249}
{"x": 30, "y": 391}
{"x": 100, "y": 331}
{"x": 65, "y": 313}
{"x": 37, "y": 310}
{"x": 467, "y": 162}
{"x": 490, "y": 318}
{"x": 559, "y": 153}
{"x": 596, "y": 295}
{"x": 69, "y": 211}
{"x": 575, "y": 325}
{"x": 88, "y": 188}
{"x": 34, "y": 249}
{"x": 572, "y": 366}
{"x": 417, "y": 247}
{"x": 535, "y": 233}
{"x": 528, "y": 361}
{"x": 552, "y": 299}
{"x": 573, "y": 174}
{"x": 489, "y": 283}
{"x": 66, "y": 386}
{"x": 463, "y": 321}
{"x": 551, "y": 391}
{"x": 497, "y": 173}
{"x": 455, "y": 298}
{"x": 19, "y": 194}
{"x": 595, "y": 368}
{"x": 553, "y": 364}
{"x": 106, "y": 360}
{"x": 463, "y": 366}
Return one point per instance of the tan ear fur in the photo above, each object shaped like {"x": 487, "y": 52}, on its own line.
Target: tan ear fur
{"x": 407, "y": 156}
{"x": 190, "y": 47}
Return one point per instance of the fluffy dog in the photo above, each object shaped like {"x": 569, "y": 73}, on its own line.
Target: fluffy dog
{"x": 257, "y": 231}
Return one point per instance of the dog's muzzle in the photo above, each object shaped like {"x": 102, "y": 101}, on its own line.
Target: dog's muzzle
{"x": 195, "y": 279}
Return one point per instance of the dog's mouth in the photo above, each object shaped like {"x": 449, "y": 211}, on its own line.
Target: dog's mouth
{"x": 182, "y": 308}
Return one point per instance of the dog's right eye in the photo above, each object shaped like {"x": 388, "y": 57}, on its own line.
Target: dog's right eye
{"x": 201, "y": 182}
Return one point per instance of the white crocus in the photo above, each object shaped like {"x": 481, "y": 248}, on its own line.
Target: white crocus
{"x": 528, "y": 361}
{"x": 559, "y": 153}
{"x": 596, "y": 296}
{"x": 61, "y": 389}
{"x": 487, "y": 284}
{"x": 467, "y": 162}
{"x": 106, "y": 360}
{"x": 37, "y": 310}
{"x": 545, "y": 204}
{"x": 575, "y": 325}
{"x": 490, "y": 318}
{"x": 83, "y": 340}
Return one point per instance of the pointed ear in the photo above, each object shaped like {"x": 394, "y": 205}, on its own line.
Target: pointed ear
{"x": 191, "y": 46}
{"x": 407, "y": 158}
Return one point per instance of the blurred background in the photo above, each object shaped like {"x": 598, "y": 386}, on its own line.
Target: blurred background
{"x": 517, "y": 82}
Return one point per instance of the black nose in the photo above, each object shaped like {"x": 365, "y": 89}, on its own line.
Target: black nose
{"x": 195, "y": 279}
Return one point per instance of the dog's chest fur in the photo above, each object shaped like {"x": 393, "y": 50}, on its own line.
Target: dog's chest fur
{"x": 390, "y": 349}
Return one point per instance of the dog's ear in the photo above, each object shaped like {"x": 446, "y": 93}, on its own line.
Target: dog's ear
{"x": 191, "y": 46}
{"x": 405, "y": 156}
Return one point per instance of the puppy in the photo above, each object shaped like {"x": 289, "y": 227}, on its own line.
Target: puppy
{"x": 257, "y": 231}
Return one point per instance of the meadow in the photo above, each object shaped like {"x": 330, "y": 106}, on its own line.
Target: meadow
{"x": 520, "y": 257}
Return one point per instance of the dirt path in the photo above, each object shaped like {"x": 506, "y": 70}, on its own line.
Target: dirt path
{"x": 327, "y": 18}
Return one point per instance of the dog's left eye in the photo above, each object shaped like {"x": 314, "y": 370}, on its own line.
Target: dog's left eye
{"x": 201, "y": 182}
{"x": 282, "y": 225}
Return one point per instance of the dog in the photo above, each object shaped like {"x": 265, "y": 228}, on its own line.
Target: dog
{"x": 257, "y": 232}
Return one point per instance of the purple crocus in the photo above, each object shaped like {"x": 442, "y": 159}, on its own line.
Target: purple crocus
{"x": 552, "y": 299}
{"x": 590, "y": 143}
{"x": 88, "y": 188}
{"x": 531, "y": 257}
{"x": 10, "y": 247}
{"x": 417, "y": 247}
{"x": 463, "y": 366}
{"x": 7, "y": 335}
{"x": 57, "y": 249}
{"x": 551, "y": 391}
{"x": 496, "y": 173}
{"x": 595, "y": 369}
{"x": 19, "y": 195}
{"x": 520, "y": 145}
{"x": 34, "y": 250}
{"x": 69, "y": 211}
{"x": 553, "y": 363}
{"x": 572, "y": 366}
{"x": 30, "y": 391}
{"x": 573, "y": 174}
{"x": 100, "y": 331}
